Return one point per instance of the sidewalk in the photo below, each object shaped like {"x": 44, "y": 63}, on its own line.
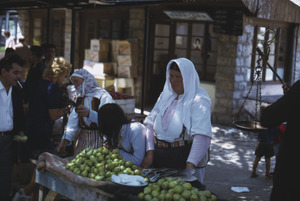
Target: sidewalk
{"x": 232, "y": 156}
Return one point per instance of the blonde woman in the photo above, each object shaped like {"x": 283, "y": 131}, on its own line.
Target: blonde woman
{"x": 45, "y": 105}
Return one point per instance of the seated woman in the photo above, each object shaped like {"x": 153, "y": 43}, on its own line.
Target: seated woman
{"x": 90, "y": 97}
{"x": 179, "y": 126}
{"x": 119, "y": 132}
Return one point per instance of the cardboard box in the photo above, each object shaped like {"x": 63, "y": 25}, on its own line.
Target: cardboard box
{"x": 124, "y": 71}
{"x": 98, "y": 68}
{"x": 124, "y": 60}
{"x": 121, "y": 46}
{"x": 92, "y": 55}
{"x": 105, "y": 82}
{"x": 99, "y": 45}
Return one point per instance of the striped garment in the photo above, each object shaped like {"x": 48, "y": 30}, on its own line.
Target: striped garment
{"x": 87, "y": 138}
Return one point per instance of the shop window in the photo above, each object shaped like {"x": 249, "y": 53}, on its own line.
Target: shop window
{"x": 193, "y": 40}
{"x": 161, "y": 48}
{"x": 273, "y": 43}
{"x": 58, "y": 34}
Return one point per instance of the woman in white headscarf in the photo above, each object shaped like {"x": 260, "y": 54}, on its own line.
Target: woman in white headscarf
{"x": 90, "y": 97}
{"x": 179, "y": 126}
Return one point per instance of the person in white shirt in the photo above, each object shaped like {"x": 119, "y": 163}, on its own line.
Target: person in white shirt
{"x": 10, "y": 40}
{"x": 11, "y": 117}
{"x": 179, "y": 125}
{"x": 90, "y": 97}
{"x": 119, "y": 132}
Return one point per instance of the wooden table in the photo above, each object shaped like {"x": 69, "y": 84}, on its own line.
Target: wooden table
{"x": 59, "y": 185}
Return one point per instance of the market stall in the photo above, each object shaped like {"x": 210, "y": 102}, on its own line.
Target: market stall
{"x": 90, "y": 177}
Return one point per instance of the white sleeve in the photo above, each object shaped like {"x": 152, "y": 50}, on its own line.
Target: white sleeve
{"x": 72, "y": 126}
{"x": 201, "y": 117}
{"x": 105, "y": 98}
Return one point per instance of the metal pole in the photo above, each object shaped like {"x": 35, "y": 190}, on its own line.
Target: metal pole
{"x": 7, "y": 21}
{"x": 48, "y": 25}
{"x": 264, "y": 58}
{"x": 73, "y": 31}
{"x": 146, "y": 31}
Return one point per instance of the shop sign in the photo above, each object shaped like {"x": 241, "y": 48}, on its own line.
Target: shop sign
{"x": 228, "y": 21}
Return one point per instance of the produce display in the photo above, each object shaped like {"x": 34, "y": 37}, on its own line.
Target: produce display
{"x": 100, "y": 164}
{"x": 174, "y": 189}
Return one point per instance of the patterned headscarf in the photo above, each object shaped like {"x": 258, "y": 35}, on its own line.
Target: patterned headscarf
{"x": 89, "y": 87}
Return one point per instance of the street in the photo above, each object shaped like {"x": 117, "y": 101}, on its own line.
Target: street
{"x": 232, "y": 156}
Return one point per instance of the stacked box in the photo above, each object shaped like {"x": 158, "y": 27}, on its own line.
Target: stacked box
{"x": 134, "y": 57}
{"x": 99, "y": 68}
{"x": 99, "y": 50}
{"x": 93, "y": 55}
{"x": 100, "y": 45}
{"x": 121, "y": 53}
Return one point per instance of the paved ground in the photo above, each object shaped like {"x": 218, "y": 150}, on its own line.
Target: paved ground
{"x": 232, "y": 156}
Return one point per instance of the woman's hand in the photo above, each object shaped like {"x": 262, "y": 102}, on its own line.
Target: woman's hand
{"x": 82, "y": 111}
{"x": 148, "y": 159}
{"x": 189, "y": 166}
{"x": 62, "y": 145}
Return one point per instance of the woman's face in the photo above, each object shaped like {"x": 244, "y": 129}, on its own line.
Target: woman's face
{"x": 176, "y": 81}
{"x": 77, "y": 81}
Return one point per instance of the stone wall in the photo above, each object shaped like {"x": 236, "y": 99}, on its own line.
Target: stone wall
{"x": 136, "y": 31}
{"x": 231, "y": 74}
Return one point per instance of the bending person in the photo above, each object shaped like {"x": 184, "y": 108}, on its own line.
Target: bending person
{"x": 119, "y": 132}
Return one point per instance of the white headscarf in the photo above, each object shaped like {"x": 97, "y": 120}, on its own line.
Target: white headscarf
{"x": 89, "y": 87}
{"x": 191, "y": 84}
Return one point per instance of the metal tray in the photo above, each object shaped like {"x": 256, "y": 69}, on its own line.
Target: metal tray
{"x": 249, "y": 125}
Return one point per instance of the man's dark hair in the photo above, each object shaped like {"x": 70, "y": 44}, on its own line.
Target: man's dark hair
{"x": 37, "y": 51}
{"x": 8, "y": 60}
{"x": 7, "y": 34}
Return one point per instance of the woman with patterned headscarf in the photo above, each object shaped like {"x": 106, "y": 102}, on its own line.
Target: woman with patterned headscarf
{"x": 179, "y": 126}
{"x": 90, "y": 97}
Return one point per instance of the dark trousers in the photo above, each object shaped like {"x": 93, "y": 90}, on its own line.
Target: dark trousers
{"x": 171, "y": 157}
{"x": 6, "y": 165}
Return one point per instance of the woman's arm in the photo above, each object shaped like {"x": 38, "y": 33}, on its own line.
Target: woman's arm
{"x": 199, "y": 148}
{"x": 283, "y": 109}
{"x": 150, "y": 146}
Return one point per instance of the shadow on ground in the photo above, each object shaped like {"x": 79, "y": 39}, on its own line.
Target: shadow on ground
{"x": 232, "y": 155}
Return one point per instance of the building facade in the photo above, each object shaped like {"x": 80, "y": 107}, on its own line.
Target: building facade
{"x": 220, "y": 38}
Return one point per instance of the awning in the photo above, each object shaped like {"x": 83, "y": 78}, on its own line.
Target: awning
{"x": 73, "y": 4}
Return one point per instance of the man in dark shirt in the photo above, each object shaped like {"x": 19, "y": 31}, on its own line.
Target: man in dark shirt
{"x": 37, "y": 66}
{"x": 287, "y": 174}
